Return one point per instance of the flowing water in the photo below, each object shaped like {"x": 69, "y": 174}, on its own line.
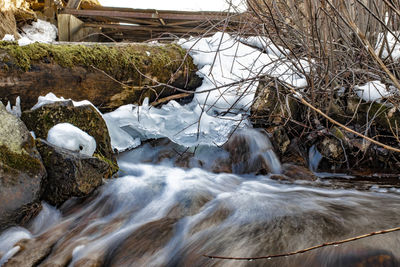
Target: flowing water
{"x": 171, "y": 205}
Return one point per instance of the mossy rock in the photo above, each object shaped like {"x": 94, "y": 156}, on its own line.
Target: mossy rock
{"x": 273, "y": 105}
{"x": 70, "y": 174}
{"x": 21, "y": 169}
{"x": 107, "y": 76}
{"x": 383, "y": 116}
{"x": 85, "y": 117}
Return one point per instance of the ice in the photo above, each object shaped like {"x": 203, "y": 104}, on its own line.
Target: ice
{"x": 221, "y": 104}
{"x": 230, "y": 70}
{"x": 373, "y": 91}
{"x": 40, "y": 31}
{"x": 8, "y": 38}
{"x": 179, "y": 123}
{"x": 68, "y": 136}
{"x": 15, "y": 110}
{"x": 52, "y": 98}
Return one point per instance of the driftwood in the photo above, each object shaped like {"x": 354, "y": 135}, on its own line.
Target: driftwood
{"x": 107, "y": 75}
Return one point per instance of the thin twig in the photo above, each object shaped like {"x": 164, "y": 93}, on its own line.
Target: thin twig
{"x": 334, "y": 243}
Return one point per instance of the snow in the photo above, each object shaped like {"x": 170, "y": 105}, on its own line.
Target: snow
{"x": 223, "y": 62}
{"x": 70, "y": 137}
{"x": 8, "y": 38}
{"x": 51, "y": 98}
{"x": 15, "y": 110}
{"x": 40, "y": 31}
{"x": 373, "y": 91}
{"x": 230, "y": 69}
{"x": 266, "y": 45}
{"x": 392, "y": 45}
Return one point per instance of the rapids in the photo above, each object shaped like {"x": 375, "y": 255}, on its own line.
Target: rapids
{"x": 169, "y": 207}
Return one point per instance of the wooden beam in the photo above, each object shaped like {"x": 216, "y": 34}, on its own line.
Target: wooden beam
{"x": 143, "y": 15}
{"x": 145, "y": 28}
{"x": 74, "y": 4}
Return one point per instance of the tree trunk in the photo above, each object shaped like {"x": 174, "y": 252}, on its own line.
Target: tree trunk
{"x": 107, "y": 75}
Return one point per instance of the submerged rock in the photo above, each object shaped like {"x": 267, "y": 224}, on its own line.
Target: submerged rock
{"x": 250, "y": 151}
{"x": 85, "y": 117}
{"x": 70, "y": 174}
{"x": 21, "y": 170}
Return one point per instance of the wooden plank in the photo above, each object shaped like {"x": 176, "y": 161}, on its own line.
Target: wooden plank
{"x": 145, "y": 28}
{"x": 74, "y": 4}
{"x": 72, "y": 29}
{"x": 142, "y": 15}
{"x": 123, "y": 9}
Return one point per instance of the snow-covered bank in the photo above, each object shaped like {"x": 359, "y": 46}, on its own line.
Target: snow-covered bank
{"x": 221, "y": 104}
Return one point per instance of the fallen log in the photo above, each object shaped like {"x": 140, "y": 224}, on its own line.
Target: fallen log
{"x": 107, "y": 75}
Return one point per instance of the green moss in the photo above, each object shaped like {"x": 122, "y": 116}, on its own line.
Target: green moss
{"x": 121, "y": 62}
{"x": 113, "y": 166}
{"x": 22, "y": 162}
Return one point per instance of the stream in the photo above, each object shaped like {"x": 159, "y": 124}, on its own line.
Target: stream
{"x": 182, "y": 192}
{"x": 168, "y": 209}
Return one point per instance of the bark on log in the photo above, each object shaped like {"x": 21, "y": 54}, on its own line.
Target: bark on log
{"x": 107, "y": 75}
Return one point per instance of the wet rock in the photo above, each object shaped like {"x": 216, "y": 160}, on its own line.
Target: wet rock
{"x": 331, "y": 148}
{"x": 295, "y": 172}
{"x": 271, "y": 107}
{"x": 190, "y": 203}
{"x": 137, "y": 249}
{"x": 359, "y": 258}
{"x": 250, "y": 151}
{"x": 295, "y": 153}
{"x": 70, "y": 174}
{"x": 33, "y": 251}
{"x": 86, "y": 118}
{"x": 21, "y": 170}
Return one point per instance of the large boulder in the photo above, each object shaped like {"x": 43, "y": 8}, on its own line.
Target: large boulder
{"x": 21, "y": 170}
{"x": 70, "y": 174}
{"x": 85, "y": 117}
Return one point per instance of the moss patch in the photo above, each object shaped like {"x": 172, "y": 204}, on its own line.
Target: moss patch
{"x": 121, "y": 62}
{"x": 21, "y": 162}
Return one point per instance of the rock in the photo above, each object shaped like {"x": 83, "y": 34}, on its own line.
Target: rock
{"x": 21, "y": 170}
{"x": 269, "y": 108}
{"x": 250, "y": 151}
{"x": 331, "y": 148}
{"x": 33, "y": 251}
{"x": 86, "y": 118}
{"x": 365, "y": 257}
{"x": 137, "y": 248}
{"x": 70, "y": 174}
{"x": 295, "y": 172}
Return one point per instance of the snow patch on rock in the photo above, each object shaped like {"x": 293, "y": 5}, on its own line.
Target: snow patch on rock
{"x": 374, "y": 91}
{"x": 70, "y": 137}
